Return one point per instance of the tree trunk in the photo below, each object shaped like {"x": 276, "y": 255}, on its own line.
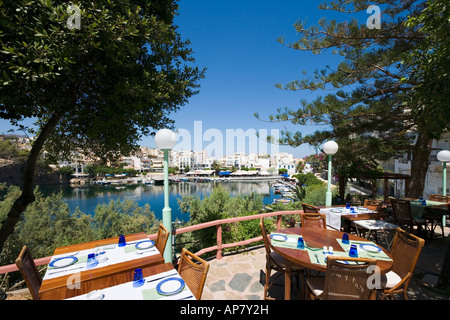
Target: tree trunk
{"x": 419, "y": 164}
{"x": 27, "y": 195}
{"x": 342, "y": 184}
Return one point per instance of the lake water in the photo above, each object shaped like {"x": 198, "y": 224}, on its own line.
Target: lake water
{"x": 86, "y": 198}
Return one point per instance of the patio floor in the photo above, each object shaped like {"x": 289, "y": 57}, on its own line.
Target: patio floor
{"x": 241, "y": 276}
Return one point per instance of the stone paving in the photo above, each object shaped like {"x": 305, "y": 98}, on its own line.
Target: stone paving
{"x": 241, "y": 276}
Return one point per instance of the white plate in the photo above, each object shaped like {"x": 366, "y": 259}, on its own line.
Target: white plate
{"x": 278, "y": 237}
{"x": 336, "y": 210}
{"x": 63, "y": 262}
{"x": 95, "y": 295}
{"x": 144, "y": 245}
{"x": 370, "y": 247}
{"x": 361, "y": 208}
{"x": 170, "y": 286}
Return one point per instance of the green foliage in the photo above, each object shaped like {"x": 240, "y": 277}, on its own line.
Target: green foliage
{"x": 112, "y": 80}
{"x": 307, "y": 179}
{"x": 389, "y": 94}
{"x": 220, "y": 205}
{"x": 123, "y": 217}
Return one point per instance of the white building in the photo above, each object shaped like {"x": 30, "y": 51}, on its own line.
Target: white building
{"x": 433, "y": 180}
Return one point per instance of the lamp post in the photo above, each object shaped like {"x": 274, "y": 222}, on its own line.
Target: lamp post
{"x": 165, "y": 140}
{"x": 444, "y": 157}
{"x": 330, "y": 148}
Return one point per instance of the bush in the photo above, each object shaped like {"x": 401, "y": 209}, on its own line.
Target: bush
{"x": 220, "y": 205}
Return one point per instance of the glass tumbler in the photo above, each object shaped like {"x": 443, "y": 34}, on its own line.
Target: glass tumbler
{"x": 300, "y": 243}
{"x": 138, "y": 278}
{"x": 353, "y": 251}
{"x": 345, "y": 239}
{"x": 122, "y": 242}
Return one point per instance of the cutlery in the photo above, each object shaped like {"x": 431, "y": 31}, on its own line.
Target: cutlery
{"x": 65, "y": 270}
{"x": 317, "y": 257}
{"x": 166, "y": 276}
{"x": 144, "y": 251}
{"x": 188, "y": 297}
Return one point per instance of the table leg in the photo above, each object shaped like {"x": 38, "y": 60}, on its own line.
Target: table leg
{"x": 287, "y": 282}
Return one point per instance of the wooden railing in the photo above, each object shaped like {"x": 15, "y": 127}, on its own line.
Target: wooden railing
{"x": 219, "y": 247}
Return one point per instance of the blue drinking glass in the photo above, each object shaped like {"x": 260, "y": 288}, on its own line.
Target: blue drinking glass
{"x": 92, "y": 261}
{"x": 122, "y": 242}
{"x": 138, "y": 278}
{"x": 424, "y": 202}
{"x": 352, "y": 210}
{"x": 345, "y": 238}
{"x": 300, "y": 243}
{"x": 347, "y": 206}
{"x": 353, "y": 251}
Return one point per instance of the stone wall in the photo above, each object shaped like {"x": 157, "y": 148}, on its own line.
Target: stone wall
{"x": 11, "y": 173}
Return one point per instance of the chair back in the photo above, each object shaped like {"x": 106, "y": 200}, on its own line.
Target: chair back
{"x": 264, "y": 236}
{"x": 439, "y": 198}
{"x": 193, "y": 270}
{"x": 401, "y": 209}
{"x": 313, "y": 220}
{"x": 405, "y": 252}
{"x": 348, "y": 281}
{"x": 307, "y": 208}
{"x": 29, "y": 271}
{"x": 161, "y": 238}
{"x": 375, "y": 205}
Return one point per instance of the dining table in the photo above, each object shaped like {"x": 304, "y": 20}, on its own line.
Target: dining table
{"x": 313, "y": 255}
{"x": 335, "y": 215}
{"x": 419, "y": 208}
{"x": 74, "y": 269}
{"x": 160, "y": 282}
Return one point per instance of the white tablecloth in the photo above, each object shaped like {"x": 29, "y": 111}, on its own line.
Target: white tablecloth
{"x": 113, "y": 254}
{"x": 126, "y": 291}
{"x": 333, "y": 215}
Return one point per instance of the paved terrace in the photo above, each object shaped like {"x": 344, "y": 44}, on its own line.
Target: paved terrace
{"x": 241, "y": 276}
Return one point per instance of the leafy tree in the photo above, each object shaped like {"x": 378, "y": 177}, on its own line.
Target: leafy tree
{"x": 97, "y": 88}
{"x": 380, "y": 103}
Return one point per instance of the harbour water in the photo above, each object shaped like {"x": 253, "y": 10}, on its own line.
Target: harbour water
{"x": 87, "y": 197}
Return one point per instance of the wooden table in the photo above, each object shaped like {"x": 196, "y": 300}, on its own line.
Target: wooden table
{"x": 315, "y": 237}
{"x": 100, "y": 277}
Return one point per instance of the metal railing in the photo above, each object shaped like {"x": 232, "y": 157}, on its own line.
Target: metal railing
{"x": 219, "y": 247}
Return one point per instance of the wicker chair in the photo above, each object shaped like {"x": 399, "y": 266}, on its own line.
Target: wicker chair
{"x": 403, "y": 216}
{"x": 434, "y": 216}
{"x": 313, "y": 220}
{"x": 193, "y": 272}
{"x": 307, "y": 208}
{"x": 439, "y": 198}
{"x": 161, "y": 238}
{"x": 343, "y": 281}
{"x": 376, "y": 205}
{"x": 405, "y": 251}
{"x": 29, "y": 271}
{"x": 276, "y": 262}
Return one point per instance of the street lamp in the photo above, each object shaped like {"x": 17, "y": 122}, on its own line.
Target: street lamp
{"x": 330, "y": 148}
{"x": 444, "y": 157}
{"x": 165, "y": 140}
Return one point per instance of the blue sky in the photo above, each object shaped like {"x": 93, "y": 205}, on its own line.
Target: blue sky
{"x": 236, "y": 40}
